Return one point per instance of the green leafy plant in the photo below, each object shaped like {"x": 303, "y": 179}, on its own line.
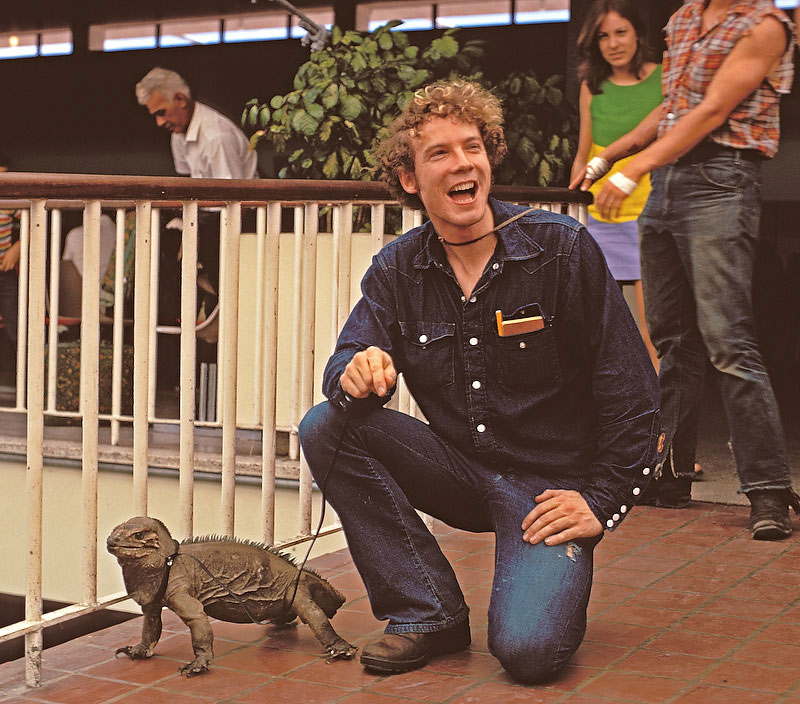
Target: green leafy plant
{"x": 539, "y": 132}
{"x": 345, "y": 95}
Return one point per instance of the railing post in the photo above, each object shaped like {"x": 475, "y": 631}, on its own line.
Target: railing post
{"x": 307, "y": 314}
{"x": 269, "y": 394}
{"x": 89, "y": 382}
{"x": 229, "y": 299}
{"x": 378, "y": 227}
{"x": 141, "y": 357}
{"x": 35, "y": 438}
{"x": 187, "y": 367}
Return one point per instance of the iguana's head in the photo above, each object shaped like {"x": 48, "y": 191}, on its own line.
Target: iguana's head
{"x": 141, "y": 539}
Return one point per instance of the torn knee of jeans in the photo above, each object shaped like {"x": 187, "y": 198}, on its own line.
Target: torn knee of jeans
{"x": 573, "y": 551}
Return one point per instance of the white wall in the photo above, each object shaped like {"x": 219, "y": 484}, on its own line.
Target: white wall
{"x": 62, "y": 537}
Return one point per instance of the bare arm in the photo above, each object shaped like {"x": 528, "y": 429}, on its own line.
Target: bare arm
{"x": 636, "y": 140}
{"x": 742, "y": 71}
{"x": 585, "y": 136}
{"x": 9, "y": 261}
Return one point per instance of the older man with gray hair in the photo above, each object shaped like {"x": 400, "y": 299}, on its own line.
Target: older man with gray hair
{"x": 205, "y": 144}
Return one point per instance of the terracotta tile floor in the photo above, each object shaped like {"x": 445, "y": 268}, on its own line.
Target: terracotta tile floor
{"x": 686, "y": 609}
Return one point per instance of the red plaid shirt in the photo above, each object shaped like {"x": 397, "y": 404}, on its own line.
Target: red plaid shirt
{"x": 691, "y": 60}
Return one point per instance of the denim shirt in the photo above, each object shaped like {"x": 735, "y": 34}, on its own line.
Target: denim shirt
{"x": 576, "y": 400}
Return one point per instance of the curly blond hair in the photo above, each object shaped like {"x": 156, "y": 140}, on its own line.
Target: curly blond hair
{"x": 460, "y": 100}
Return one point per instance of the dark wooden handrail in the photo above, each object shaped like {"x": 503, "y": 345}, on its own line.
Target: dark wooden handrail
{"x": 217, "y": 191}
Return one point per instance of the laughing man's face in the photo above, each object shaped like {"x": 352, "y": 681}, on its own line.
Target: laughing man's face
{"x": 452, "y": 177}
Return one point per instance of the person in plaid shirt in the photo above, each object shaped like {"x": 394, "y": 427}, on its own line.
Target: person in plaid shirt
{"x": 726, "y": 65}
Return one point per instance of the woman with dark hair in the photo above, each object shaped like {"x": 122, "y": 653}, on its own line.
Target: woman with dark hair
{"x": 620, "y": 86}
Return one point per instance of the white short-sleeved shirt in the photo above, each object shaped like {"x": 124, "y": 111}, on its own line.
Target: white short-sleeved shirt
{"x": 212, "y": 147}
{"x": 73, "y": 245}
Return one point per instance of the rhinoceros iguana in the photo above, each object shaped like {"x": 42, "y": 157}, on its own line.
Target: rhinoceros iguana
{"x": 226, "y": 578}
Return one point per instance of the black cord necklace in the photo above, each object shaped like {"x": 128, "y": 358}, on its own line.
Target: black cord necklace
{"x": 496, "y": 228}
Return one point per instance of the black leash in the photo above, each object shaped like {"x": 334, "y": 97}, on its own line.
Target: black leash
{"x": 171, "y": 558}
{"x": 322, "y": 488}
{"x": 496, "y": 228}
{"x": 165, "y": 579}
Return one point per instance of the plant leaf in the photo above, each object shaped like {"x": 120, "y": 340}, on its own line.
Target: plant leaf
{"x": 316, "y": 111}
{"x": 352, "y": 107}
{"x": 303, "y": 122}
{"x": 330, "y": 168}
{"x": 263, "y": 117}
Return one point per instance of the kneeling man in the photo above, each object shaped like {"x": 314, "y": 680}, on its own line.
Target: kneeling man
{"x": 542, "y": 404}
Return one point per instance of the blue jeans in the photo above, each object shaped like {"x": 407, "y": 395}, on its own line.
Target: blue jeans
{"x": 698, "y": 234}
{"x": 390, "y": 464}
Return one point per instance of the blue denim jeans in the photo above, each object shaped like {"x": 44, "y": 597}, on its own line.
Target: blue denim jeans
{"x": 698, "y": 234}
{"x": 390, "y": 464}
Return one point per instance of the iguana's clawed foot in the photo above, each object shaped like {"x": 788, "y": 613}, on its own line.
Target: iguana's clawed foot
{"x": 135, "y": 652}
{"x": 340, "y": 650}
{"x": 196, "y": 667}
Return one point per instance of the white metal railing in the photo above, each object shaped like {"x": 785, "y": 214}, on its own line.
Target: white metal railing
{"x": 42, "y": 199}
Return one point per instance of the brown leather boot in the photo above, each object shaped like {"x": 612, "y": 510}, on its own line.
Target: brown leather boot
{"x": 400, "y": 652}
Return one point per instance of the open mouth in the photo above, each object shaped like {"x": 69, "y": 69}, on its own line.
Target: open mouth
{"x": 463, "y": 192}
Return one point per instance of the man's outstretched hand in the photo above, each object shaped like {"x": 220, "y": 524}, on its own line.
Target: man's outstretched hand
{"x": 560, "y": 515}
{"x": 369, "y": 371}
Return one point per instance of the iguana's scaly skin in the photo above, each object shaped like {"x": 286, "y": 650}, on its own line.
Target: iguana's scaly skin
{"x": 260, "y": 577}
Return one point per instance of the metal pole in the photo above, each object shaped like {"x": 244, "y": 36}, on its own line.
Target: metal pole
{"x": 308, "y": 306}
{"x": 229, "y": 298}
{"x": 271, "y": 283}
{"x": 141, "y": 357}
{"x": 187, "y": 370}
{"x": 35, "y": 436}
{"x": 90, "y": 382}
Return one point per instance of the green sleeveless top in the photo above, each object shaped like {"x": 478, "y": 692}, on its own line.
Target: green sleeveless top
{"x": 615, "y": 112}
{"x": 618, "y": 109}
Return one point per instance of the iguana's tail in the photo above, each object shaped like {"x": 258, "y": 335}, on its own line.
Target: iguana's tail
{"x": 325, "y": 595}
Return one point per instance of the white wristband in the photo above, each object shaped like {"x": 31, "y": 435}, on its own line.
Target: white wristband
{"x": 625, "y": 184}
{"x": 597, "y": 168}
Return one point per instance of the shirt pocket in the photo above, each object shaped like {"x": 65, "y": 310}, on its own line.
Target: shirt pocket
{"x": 529, "y": 360}
{"x": 430, "y": 352}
